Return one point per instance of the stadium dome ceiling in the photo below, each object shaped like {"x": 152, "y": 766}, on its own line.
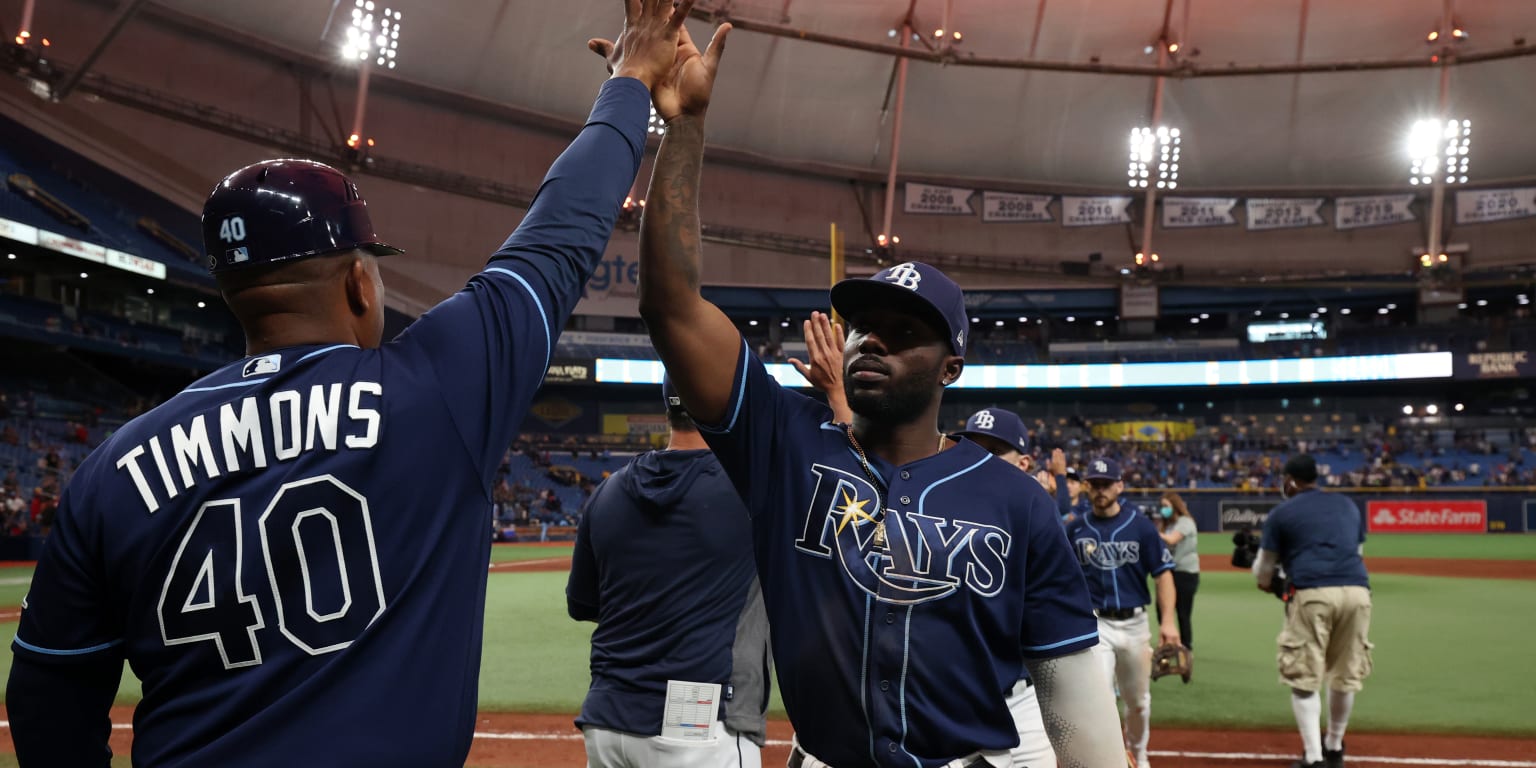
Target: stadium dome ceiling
{"x": 798, "y": 101}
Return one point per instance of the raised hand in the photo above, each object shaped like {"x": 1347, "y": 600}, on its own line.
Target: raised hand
{"x": 687, "y": 88}
{"x": 1058, "y": 462}
{"x": 647, "y": 47}
{"x": 824, "y": 365}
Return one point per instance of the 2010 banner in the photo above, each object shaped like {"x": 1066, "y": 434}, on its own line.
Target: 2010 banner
{"x": 1375, "y": 211}
{"x": 1284, "y": 213}
{"x": 1015, "y": 207}
{"x": 1094, "y": 211}
{"x": 1198, "y": 211}
{"x": 1477, "y": 206}
{"x": 944, "y": 201}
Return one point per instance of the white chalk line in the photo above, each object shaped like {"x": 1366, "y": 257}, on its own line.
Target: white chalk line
{"x": 1245, "y": 756}
{"x": 518, "y": 564}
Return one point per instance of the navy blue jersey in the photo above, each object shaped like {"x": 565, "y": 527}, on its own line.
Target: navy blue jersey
{"x": 291, "y": 553}
{"x": 901, "y": 601}
{"x": 663, "y": 564}
{"x": 1317, "y": 536}
{"x": 1117, "y": 555}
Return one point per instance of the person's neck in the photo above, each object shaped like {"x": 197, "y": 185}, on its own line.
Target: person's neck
{"x": 260, "y": 341}
{"x": 686, "y": 441}
{"x": 1107, "y": 512}
{"x": 899, "y": 443}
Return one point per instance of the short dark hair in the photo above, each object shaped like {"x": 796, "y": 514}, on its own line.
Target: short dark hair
{"x": 679, "y": 420}
{"x": 1302, "y": 468}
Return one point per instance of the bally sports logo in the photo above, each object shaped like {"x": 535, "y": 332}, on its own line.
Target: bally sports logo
{"x": 1432, "y": 516}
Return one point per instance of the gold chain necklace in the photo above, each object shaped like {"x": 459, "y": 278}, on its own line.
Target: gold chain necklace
{"x": 875, "y": 479}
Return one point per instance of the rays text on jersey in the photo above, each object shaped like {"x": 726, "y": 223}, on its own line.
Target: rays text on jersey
{"x": 251, "y": 432}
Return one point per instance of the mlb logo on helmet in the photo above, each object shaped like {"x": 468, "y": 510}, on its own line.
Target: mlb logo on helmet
{"x": 259, "y": 365}
{"x": 237, "y": 255}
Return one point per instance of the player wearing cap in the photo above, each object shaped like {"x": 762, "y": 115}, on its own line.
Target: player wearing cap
{"x": 291, "y": 552}
{"x": 1118, "y": 550}
{"x": 663, "y": 564}
{"x": 908, "y": 577}
{"x": 1003, "y": 434}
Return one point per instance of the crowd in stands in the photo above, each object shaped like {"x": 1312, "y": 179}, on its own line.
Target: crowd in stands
{"x": 37, "y": 458}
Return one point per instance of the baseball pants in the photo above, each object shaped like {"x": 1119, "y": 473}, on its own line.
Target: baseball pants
{"x": 1034, "y": 749}
{"x": 1126, "y": 651}
{"x": 615, "y": 749}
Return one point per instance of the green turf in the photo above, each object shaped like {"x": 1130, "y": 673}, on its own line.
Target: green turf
{"x": 511, "y": 553}
{"x": 1472, "y": 546}
{"x": 13, "y": 585}
{"x": 1443, "y": 649}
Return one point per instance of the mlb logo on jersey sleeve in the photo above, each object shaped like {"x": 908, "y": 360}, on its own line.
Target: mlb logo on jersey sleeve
{"x": 261, "y": 365}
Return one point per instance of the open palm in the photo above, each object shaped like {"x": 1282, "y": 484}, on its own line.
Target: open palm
{"x": 687, "y": 89}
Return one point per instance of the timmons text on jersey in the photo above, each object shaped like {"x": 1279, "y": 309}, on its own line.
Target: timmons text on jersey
{"x": 285, "y": 423}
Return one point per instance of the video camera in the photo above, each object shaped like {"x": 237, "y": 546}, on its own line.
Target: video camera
{"x": 1245, "y": 549}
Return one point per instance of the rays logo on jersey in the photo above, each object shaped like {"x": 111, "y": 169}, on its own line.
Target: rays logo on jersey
{"x": 902, "y": 557}
{"x": 1107, "y": 555}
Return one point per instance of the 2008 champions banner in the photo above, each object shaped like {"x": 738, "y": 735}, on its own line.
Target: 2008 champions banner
{"x": 945, "y": 201}
{"x": 1014, "y": 207}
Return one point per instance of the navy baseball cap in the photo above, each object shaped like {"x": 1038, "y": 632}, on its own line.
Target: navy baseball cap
{"x": 1103, "y": 469}
{"x": 911, "y": 284}
{"x": 278, "y": 210}
{"x": 669, "y": 394}
{"x": 1001, "y": 424}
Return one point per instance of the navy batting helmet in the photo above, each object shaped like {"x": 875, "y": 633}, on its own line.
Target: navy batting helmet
{"x": 285, "y": 209}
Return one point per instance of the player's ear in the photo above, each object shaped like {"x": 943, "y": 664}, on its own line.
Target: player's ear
{"x": 362, "y": 289}
{"x": 953, "y": 365}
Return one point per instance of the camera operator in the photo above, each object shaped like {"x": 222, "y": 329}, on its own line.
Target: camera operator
{"x": 1319, "y": 538}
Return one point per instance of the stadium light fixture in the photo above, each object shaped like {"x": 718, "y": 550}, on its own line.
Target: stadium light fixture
{"x": 1432, "y": 409}
{"x": 1407, "y": 410}
{"x": 1285, "y": 315}
{"x": 202, "y": 304}
{"x": 372, "y": 35}
{"x": 656, "y": 126}
{"x": 84, "y": 275}
{"x": 1439, "y": 151}
{"x": 1099, "y": 323}
{"x": 1345, "y": 310}
{"x": 10, "y": 256}
{"x": 1482, "y": 302}
{"x": 1154, "y": 149}
{"x": 149, "y": 291}
{"x": 1460, "y": 407}
{"x": 1071, "y": 319}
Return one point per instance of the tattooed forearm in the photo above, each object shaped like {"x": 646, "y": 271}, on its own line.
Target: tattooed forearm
{"x": 1079, "y": 711}
{"x": 669, "y": 228}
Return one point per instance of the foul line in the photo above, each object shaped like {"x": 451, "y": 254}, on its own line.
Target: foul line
{"x": 1255, "y": 756}
{"x": 520, "y": 563}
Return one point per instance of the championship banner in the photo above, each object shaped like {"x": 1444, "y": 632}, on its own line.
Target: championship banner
{"x": 1426, "y": 516}
{"x": 1284, "y": 212}
{"x": 1237, "y": 514}
{"x": 1015, "y": 207}
{"x": 1198, "y": 212}
{"x": 942, "y": 201}
{"x": 1477, "y": 206}
{"x": 1094, "y": 211}
{"x": 1381, "y": 210}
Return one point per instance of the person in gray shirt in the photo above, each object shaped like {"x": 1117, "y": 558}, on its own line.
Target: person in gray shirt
{"x": 1177, "y": 528}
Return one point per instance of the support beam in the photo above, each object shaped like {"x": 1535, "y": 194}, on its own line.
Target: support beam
{"x": 363, "y": 69}
{"x": 901, "y": 98}
{"x": 124, "y": 13}
{"x": 1437, "y": 192}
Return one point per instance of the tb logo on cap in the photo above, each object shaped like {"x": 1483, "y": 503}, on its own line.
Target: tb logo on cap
{"x": 985, "y": 419}
{"x": 905, "y": 275}
{"x": 1099, "y": 466}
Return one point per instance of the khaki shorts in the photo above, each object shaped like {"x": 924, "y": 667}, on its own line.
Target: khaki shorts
{"x": 1324, "y": 639}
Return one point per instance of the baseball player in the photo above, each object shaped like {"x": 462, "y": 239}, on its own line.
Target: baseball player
{"x": 1004, "y": 435}
{"x": 908, "y": 577}
{"x": 1118, "y": 549}
{"x": 291, "y": 552}
{"x": 663, "y": 564}
{"x": 1319, "y": 538}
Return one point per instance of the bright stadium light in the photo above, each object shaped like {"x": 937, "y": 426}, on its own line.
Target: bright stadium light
{"x": 1439, "y": 150}
{"x": 372, "y": 36}
{"x": 1432, "y": 409}
{"x": 656, "y": 126}
{"x": 1154, "y": 149}
{"x": 1407, "y": 410}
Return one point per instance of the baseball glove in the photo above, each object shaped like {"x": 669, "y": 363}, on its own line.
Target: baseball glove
{"x": 1172, "y": 660}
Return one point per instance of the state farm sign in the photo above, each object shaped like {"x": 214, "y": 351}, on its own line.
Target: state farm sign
{"x": 1436, "y": 516}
